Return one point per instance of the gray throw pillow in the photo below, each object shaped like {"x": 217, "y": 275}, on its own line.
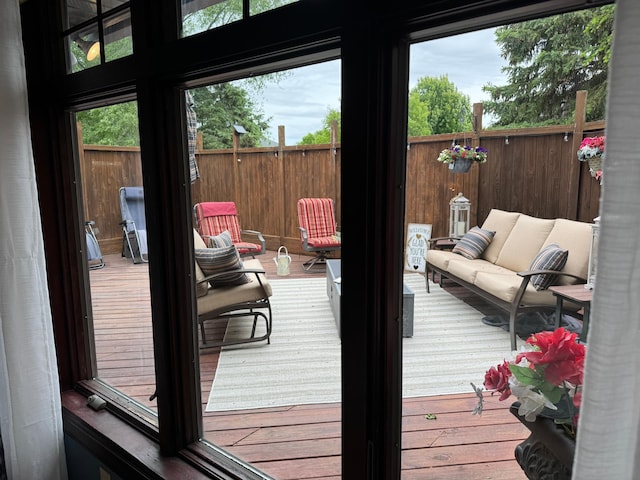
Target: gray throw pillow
{"x": 223, "y": 239}
{"x": 551, "y": 257}
{"x": 219, "y": 260}
{"x": 473, "y": 243}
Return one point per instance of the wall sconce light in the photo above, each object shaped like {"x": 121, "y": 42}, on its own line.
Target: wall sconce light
{"x": 506, "y": 140}
{"x": 90, "y": 48}
{"x": 566, "y": 137}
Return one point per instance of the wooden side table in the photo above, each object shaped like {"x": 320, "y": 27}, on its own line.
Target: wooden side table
{"x": 577, "y": 295}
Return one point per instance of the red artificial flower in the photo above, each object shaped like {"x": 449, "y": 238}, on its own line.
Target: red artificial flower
{"x": 497, "y": 380}
{"x": 561, "y": 357}
{"x": 594, "y": 142}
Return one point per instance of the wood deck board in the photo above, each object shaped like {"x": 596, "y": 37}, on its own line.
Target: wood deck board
{"x": 302, "y": 441}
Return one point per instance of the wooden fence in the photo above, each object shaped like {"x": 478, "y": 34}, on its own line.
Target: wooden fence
{"x": 529, "y": 170}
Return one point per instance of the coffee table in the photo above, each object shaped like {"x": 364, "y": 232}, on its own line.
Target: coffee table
{"x": 334, "y": 292}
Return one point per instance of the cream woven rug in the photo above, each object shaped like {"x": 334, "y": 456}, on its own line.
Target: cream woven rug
{"x": 450, "y": 347}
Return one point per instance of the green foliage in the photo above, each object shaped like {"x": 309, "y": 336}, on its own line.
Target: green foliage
{"x": 219, "y": 107}
{"x": 436, "y": 106}
{"x": 115, "y": 125}
{"x": 549, "y": 60}
{"x": 225, "y": 12}
{"x": 418, "y": 123}
{"x": 323, "y": 135}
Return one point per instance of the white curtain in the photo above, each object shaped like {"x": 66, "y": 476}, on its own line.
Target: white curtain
{"x": 30, "y": 407}
{"x": 610, "y": 413}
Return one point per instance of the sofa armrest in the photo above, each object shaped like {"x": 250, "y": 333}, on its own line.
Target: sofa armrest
{"x": 443, "y": 243}
{"x": 530, "y": 273}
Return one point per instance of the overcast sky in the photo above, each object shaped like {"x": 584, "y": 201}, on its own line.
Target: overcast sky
{"x": 300, "y": 102}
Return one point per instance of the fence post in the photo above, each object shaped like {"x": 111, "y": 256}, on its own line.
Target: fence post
{"x": 476, "y": 125}
{"x": 282, "y": 218}
{"x": 574, "y": 178}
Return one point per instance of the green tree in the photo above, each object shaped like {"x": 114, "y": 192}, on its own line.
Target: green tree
{"x": 225, "y": 12}
{"x": 113, "y": 125}
{"x": 219, "y": 107}
{"x": 418, "y": 124}
{"x": 549, "y": 60}
{"x": 323, "y": 135}
{"x": 436, "y": 106}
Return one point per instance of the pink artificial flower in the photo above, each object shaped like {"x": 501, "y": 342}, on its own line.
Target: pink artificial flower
{"x": 497, "y": 380}
{"x": 559, "y": 353}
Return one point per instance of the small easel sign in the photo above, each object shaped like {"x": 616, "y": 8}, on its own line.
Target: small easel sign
{"x": 418, "y": 236}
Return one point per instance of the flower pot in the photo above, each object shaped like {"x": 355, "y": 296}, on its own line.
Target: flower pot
{"x": 461, "y": 165}
{"x": 547, "y": 452}
{"x": 595, "y": 164}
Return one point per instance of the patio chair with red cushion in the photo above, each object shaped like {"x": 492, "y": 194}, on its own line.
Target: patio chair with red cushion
{"x": 318, "y": 231}
{"x": 214, "y": 218}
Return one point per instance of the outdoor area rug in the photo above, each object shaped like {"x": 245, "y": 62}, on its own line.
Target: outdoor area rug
{"x": 450, "y": 348}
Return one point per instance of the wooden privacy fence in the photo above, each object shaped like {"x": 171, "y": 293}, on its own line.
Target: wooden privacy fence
{"x": 530, "y": 170}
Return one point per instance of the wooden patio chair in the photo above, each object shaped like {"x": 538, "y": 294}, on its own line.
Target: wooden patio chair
{"x": 214, "y": 218}
{"x": 318, "y": 231}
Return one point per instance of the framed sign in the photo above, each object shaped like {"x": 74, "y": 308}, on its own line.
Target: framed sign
{"x": 418, "y": 236}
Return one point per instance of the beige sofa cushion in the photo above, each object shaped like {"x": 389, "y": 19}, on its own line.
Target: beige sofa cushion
{"x": 526, "y": 239}
{"x": 575, "y": 237}
{"x": 220, "y": 298}
{"x": 506, "y": 285}
{"x": 467, "y": 269}
{"x": 501, "y": 222}
{"x": 441, "y": 258}
{"x": 201, "y": 288}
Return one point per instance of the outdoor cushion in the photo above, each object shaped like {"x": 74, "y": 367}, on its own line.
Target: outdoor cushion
{"x": 505, "y": 286}
{"x": 551, "y": 257}
{"x": 467, "y": 270}
{"x": 202, "y": 288}
{"x": 576, "y": 237}
{"x": 440, "y": 258}
{"x": 501, "y": 222}
{"x": 221, "y": 298}
{"x": 526, "y": 239}
{"x": 474, "y": 242}
{"x": 218, "y": 260}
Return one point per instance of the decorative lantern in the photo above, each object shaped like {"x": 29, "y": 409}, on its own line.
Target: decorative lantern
{"x": 459, "y": 209}
{"x": 593, "y": 254}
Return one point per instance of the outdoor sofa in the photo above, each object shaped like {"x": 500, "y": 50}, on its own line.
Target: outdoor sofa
{"x": 513, "y": 258}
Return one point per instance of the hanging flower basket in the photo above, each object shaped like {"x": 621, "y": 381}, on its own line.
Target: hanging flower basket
{"x": 592, "y": 151}
{"x": 461, "y": 165}
{"x": 461, "y": 158}
{"x": 595, "y": 165}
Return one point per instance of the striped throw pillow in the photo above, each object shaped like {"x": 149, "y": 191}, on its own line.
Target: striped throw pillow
{"x": 221, "y": 240}
{"x": 551, "y": 257}
{"x": 219, "y": 260}
{"x": 474, "y": 242}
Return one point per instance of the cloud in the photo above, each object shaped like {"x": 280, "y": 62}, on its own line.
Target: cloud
{"x": 301, "y": 101}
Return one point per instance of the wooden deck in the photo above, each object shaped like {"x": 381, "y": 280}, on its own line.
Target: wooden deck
{"x": 300, "y": 442}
